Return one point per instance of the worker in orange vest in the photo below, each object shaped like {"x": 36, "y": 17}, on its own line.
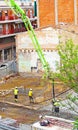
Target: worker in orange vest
{"x": 30, "y": 94}
{"x": 16, "y": 94}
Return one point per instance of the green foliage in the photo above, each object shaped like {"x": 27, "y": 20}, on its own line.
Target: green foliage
{"x": 72, "y": 98}
{"x": 75, "y": 125}
{"x": 68, "y": 71}
{"x": 68, "y": 68}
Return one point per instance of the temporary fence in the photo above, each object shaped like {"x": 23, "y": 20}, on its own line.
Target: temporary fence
{"x": 8, "y": 69}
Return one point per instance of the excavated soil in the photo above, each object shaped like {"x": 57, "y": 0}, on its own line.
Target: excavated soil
{"x": 23, "y": 111}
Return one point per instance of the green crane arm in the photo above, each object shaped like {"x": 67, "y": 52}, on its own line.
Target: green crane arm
{"x": 19, "y": 11}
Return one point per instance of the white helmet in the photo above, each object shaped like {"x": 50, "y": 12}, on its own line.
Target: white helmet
{"x": 40, "y": 116}
{"x": 30, "y": 88}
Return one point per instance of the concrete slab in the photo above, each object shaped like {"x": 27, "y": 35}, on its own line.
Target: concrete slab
{"x": 57, "y": 124}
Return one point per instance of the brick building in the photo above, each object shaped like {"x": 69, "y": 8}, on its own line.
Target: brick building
{"x": 53, "y": 12}
{"x": 10, "y": 26}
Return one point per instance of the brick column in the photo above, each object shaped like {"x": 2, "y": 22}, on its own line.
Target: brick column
{"x": 38, "y": 18}
{"x": 75, "y": 12}
{"x": 56, "y": 12}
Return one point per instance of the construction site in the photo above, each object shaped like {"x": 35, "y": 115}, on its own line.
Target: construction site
{"x": 28, "y": 60}
{"x": 24, "y": 112}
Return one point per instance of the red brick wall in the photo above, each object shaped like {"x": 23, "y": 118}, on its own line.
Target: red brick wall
{"x": 66, "y": 11}
{"x": 46, "y": 9}
{"x": 46, "y": 12}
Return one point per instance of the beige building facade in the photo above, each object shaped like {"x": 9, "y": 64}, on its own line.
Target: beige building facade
{"x": 27, "y": 57}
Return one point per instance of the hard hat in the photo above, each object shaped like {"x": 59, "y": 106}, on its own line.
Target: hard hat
{"x": 40, "y": 116}
{"x": 30, "y": 88}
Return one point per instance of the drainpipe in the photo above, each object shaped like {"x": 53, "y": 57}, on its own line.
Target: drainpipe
{"x": 35, "y": 8}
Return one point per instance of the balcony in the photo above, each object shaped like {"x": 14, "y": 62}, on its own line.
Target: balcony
{"x": 20, "y": 2}
{"x": 7, "y": 34}
{"x": 15, "y": 20}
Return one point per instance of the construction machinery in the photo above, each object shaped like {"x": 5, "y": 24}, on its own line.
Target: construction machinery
{"x": 20, "y": 13}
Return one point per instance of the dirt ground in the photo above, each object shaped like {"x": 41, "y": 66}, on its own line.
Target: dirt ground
{"x": 23, "y": 111}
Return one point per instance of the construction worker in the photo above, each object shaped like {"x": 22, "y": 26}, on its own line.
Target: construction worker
{"x": 44, "y": 121}
{"x": 16, "y": 94}
{"x": 56, "y": 105}
{"x": 30, "y": 94}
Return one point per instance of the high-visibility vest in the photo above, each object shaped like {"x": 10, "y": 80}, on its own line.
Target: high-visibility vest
{"x": 30, "y": 93}
{"x": 15, "y": 91}
{"x": 56, "y": 104}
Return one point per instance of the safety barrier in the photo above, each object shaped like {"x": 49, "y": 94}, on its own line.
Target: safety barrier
{"x": 8, "y": 69}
